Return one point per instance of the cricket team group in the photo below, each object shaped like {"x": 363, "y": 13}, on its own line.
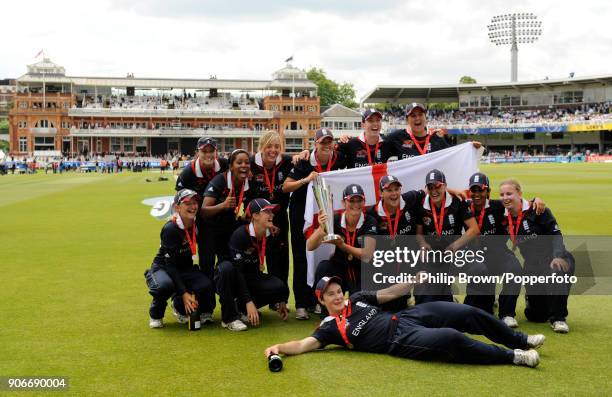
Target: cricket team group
{"x": 236, "y": 222}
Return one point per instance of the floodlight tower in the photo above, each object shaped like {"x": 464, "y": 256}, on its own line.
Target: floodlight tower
{"x": 514, "y": 29}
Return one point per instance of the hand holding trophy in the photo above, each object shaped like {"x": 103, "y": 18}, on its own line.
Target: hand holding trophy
{"x": 325, "y": 202}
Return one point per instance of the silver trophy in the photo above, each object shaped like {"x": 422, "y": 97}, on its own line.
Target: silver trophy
{"x": 325, "y": 202}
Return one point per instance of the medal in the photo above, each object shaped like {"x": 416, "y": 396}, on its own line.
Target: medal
{"x": 193, "y": 246}
{"x": 392, "y": 225}
{"x": 480, "y": 217}
{"x": 350, "y": 240}
{"x": 511, "y": 229}
{"x": 261, "y": 251}
{"x": 239, "y": 209}
{"x": 438, "y": 219}
{"x": 343, "y": 325}
{"x": 270, "y": 181}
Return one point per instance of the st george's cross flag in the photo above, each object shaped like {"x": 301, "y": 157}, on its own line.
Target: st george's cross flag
{"x": 458, "y": 163}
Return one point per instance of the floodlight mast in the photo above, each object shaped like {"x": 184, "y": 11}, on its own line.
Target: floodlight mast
{"x": 513, "y": 29}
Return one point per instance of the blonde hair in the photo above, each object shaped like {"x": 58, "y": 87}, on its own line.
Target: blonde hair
{"x": 267, "y": 138}
{"x": 512, "y": 182}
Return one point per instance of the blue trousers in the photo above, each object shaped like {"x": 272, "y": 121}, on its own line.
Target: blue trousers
{"x": 161, "y": 288}
{"x": 435, "y": 331}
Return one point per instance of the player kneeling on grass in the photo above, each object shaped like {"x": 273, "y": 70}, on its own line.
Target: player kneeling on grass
{"x": 429, "y": 331}
{"x": 241, "y": 283}
{"x": 173, "y": 271}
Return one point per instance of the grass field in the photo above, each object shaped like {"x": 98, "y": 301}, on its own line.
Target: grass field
{"x": 73, "y": 302}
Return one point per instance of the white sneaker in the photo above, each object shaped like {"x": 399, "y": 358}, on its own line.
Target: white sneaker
{"x": 529, "y": 358}
{"x": 206, "y": 318}
{"x": 301, "y": 314}
{"x": 535, "y": 341}
{"x": 235, "y": 325}
{"x": 179, "y": 317}
{"x": 156, "y": 323}
{"x": 510, "y": 321}
{"x": 560, "y": 327}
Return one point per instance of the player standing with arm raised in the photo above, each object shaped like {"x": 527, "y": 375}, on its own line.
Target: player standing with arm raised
{"x": 369, "y": 148}
{"x": 416, "y": 139}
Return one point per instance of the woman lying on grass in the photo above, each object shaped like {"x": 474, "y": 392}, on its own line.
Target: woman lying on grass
{"x": 429, "y": 331}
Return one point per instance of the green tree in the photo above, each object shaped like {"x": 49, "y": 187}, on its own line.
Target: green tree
{"x": 467, "y": 80}
{"x": 4, "y": 126}
{"x": 330, "y": 91}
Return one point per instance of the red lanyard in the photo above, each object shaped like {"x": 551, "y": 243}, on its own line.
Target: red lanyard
{"x": 270, "y": 181}
{"x": 392, "y": 229}
{"x": 480, "y": 217}
{"x": 422, "y": 150}
{"x": 261, "y": 250}
{"x": 191, "y": 239}
{"x": 350, "y": 241}
{"x": 368, "y": 151}
{"x": 330, "y": 163}
{"x": 240, "y": 197}
{"x": 341, "y": 324}
{"x": 511, "y": 229}
{"x": 440, "y": 224}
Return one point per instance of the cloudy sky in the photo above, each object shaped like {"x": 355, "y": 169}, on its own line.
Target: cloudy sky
{"x": 366, "y": 43}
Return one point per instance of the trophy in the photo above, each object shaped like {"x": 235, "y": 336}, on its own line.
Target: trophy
{"x": 325, "y": 202}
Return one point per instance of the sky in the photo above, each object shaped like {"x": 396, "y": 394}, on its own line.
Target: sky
{"x": 367, "y": 43}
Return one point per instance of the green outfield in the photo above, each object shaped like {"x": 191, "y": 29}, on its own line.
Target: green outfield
{"x": 73, "y": 302}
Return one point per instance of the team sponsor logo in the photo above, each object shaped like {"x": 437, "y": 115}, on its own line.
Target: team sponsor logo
{"x": 408, "y": 143}
{"x": 361, "y": 304}
{"x": 526, "y": 226}
{"x": 259, "y": 178}
{"x": 451, "y": 220}
{"x": 491, "y": 219}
